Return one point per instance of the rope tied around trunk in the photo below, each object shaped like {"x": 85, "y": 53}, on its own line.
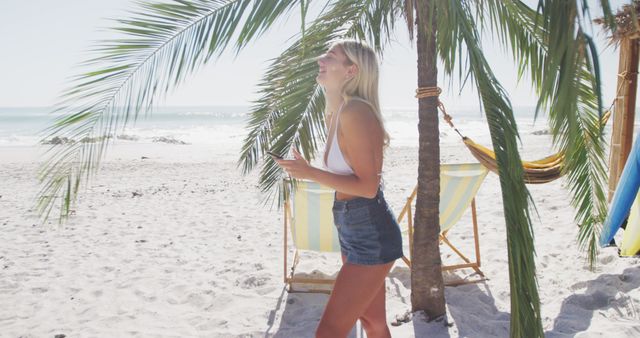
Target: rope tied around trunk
{"x": 424, "y": 92}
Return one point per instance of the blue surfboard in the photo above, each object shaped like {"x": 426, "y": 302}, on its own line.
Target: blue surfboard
{"x": 626, "y": 192}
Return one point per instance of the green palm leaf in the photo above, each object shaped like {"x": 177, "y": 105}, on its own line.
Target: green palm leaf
{"x": 457, "y": 33}
{"x": 162, "y": 43}
{"x": 519, "y": 27}
{"x": 570, "y": 88}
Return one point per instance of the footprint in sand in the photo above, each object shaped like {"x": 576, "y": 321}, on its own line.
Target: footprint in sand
{"x": 253, "y": 282}
{"x": 210, "y": 324}
{"x": 606, "y": 259}
{"x": 193, "y": 299}
{"x": 175, "y": 294}
{"x": 221, "y": 302}
{"x": 144, "y": 296}
{"x": 577, "y": 286}
{"x": 266, "y": 290}
{"x": 196, "y": 300}
{"x": 544, "y": 262}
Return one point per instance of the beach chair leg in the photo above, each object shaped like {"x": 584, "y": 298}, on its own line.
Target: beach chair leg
{"x": 476, "y": 237}
{"x": 286, "y": 229}
{"x": 289, "y": 273}
{"x": 406, "y": 211}
{"x": 407, "y": 206}
{"x": 445, "y": 240}
{"x": 290, "y": 278}
{"x": 474, "y": 265}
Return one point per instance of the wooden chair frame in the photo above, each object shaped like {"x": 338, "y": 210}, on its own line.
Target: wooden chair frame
{"x": 475, "y": 265}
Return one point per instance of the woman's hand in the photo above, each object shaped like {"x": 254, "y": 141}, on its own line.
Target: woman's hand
{"x": 298, "y": 167}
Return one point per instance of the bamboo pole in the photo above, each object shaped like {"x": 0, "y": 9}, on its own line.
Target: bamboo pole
{"x": 624, "y": 112}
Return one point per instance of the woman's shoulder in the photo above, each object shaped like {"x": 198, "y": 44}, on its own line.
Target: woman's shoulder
{"x": 357, "y": 108}
{"x": 357, "y": 113}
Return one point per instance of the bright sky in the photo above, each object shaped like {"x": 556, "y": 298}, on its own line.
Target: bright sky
{"x": 43, "y": 40}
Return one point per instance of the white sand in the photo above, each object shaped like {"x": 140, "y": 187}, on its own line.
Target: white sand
{"x": 195, "y": 254}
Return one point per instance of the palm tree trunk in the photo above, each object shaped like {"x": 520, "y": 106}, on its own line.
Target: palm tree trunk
{"x": 427, "y": 287}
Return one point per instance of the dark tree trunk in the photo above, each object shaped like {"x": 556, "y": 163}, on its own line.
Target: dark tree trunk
{"x": 427, "y": 287}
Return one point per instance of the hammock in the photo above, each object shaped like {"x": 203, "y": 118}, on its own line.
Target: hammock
{"x": 535, "y": 172}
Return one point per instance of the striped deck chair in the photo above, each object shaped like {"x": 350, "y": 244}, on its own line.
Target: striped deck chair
{"x": 459, "y": 184}
{"x": 307, "y": 212}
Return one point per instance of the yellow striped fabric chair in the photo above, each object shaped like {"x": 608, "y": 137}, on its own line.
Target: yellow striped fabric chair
{"x": 459, "y": 184}
{"x": 307, "y": 212}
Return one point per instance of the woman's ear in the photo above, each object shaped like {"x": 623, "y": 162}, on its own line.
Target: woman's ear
{"x": 352, "y": 71}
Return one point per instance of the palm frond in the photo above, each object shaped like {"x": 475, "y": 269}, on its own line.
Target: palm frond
{"x": 457, "y": 30}
{"x": 587, "y": 172}
{"x": 570, "y": 88}
{"x": 290, "y": 111}
{"x": 162, "y": 43}
{"x": 408, "y": 15}
{"x": 575, "y": 105}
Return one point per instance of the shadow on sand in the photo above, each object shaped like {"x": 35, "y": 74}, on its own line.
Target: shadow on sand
{"x": 472, "y": 311}
{"x": 470, "y": 307}
{"x": 300, "y": 316}
{"x": 603, "y": 294}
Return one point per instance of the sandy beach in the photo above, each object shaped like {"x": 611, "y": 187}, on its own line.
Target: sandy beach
{"x": 179, "y": 245}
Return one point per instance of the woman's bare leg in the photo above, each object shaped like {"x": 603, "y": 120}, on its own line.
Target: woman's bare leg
{"x": 374, "y": 319}
{"x": 357, "y": 288}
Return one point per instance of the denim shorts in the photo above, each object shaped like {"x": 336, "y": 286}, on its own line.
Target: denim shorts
{"x": 368, "y": 231}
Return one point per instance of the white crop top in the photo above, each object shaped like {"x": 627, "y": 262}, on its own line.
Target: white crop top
{"x": 334, "y": 160}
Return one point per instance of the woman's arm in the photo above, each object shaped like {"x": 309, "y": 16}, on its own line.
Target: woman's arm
{"x": 362, "y": 140}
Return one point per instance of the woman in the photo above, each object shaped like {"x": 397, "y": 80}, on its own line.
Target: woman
{"x": 370, "y": 238}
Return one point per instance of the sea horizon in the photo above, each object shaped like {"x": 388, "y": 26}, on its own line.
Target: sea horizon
{"x": 208, "y": 124}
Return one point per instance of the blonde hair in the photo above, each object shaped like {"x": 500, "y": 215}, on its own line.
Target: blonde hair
{"x": 364, "y": 85}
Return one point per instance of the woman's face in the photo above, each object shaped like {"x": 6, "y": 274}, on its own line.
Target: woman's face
{"x": 334, "y": 68}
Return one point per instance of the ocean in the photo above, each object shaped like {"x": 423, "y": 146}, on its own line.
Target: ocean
{"x": 192, "y": 125}
{"x": 227, "y": 124}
